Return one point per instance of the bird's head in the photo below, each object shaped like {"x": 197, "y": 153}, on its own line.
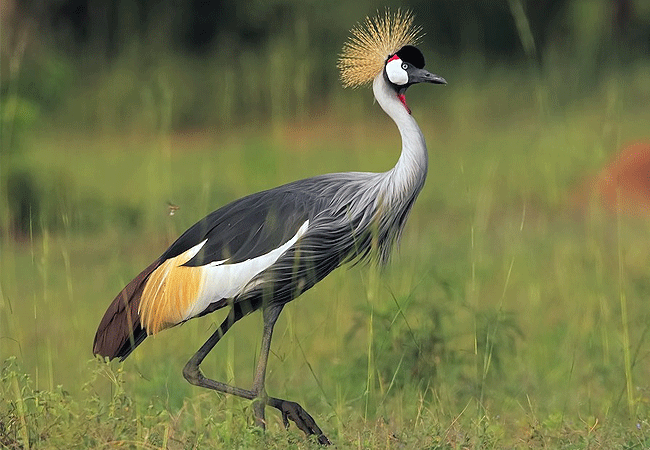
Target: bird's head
{"x": 405, "y": 68}
{"x": 385, "y": 44}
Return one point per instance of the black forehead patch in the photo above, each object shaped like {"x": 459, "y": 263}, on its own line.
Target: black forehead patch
{"x": 411, "y": 55}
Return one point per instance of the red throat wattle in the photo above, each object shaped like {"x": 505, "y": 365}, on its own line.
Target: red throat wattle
{"x": 402, "y": 98}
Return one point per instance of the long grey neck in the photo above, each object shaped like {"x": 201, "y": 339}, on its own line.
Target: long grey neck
{"x": 407, "y": 177}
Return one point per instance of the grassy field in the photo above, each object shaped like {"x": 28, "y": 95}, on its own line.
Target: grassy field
{"x": 512, "y": 315}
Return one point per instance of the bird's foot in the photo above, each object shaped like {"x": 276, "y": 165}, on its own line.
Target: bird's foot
{"x": 294, "y": 412}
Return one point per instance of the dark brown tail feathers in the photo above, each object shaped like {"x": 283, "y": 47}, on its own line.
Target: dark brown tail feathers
{"x": 120, "y": 331}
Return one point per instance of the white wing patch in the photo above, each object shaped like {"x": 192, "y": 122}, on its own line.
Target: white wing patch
{"x": 221, "y": 280}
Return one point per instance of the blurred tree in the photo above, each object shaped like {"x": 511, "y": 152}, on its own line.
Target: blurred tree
{"x": 194, "y": 26}
{"x": 236, "y": 52}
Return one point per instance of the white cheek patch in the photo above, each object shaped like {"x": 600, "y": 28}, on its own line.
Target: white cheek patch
{"x": 395, "y": 73}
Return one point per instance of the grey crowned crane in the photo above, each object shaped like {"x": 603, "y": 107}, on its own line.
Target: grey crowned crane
{"x": 264, "y": 250}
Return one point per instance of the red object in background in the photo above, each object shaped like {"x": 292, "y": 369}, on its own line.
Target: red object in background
{"x": 623, "y": 186}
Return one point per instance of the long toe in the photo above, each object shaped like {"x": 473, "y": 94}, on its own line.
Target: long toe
{"x": 294, "y": 412}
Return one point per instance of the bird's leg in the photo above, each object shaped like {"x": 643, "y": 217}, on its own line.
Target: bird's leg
{"x": 192, "y": 371}
{"x": 294, "y": 412}
{"x": 270, "y": 316}
{"x": 290, "y": 410}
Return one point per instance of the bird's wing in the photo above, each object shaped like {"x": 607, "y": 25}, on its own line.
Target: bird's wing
{"x": 217, "y": 257}
{"x": 244, "y": 229}
{"x": 206, "y": 265}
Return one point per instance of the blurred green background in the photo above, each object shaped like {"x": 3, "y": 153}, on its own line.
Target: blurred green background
{"x": 514, "y": 314}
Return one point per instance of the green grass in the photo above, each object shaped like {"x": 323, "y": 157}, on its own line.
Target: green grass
{"x": 507, "y": 318}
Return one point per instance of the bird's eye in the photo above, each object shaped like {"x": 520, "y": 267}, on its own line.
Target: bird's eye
{"x": 405, "y": 66}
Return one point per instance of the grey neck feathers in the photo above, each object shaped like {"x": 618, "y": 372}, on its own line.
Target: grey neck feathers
{"x": 405, "y": 180}
{"x": 367, "y": 211}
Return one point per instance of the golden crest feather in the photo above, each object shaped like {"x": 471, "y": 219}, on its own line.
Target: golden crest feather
{"x": 372, "y": 42}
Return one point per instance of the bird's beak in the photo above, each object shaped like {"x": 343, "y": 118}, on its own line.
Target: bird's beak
{"x": 424, "y": 76}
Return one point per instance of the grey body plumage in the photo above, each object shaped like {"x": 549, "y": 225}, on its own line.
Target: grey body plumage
{"x": 264, "y": 250}
{"x": 352, "y": 216}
